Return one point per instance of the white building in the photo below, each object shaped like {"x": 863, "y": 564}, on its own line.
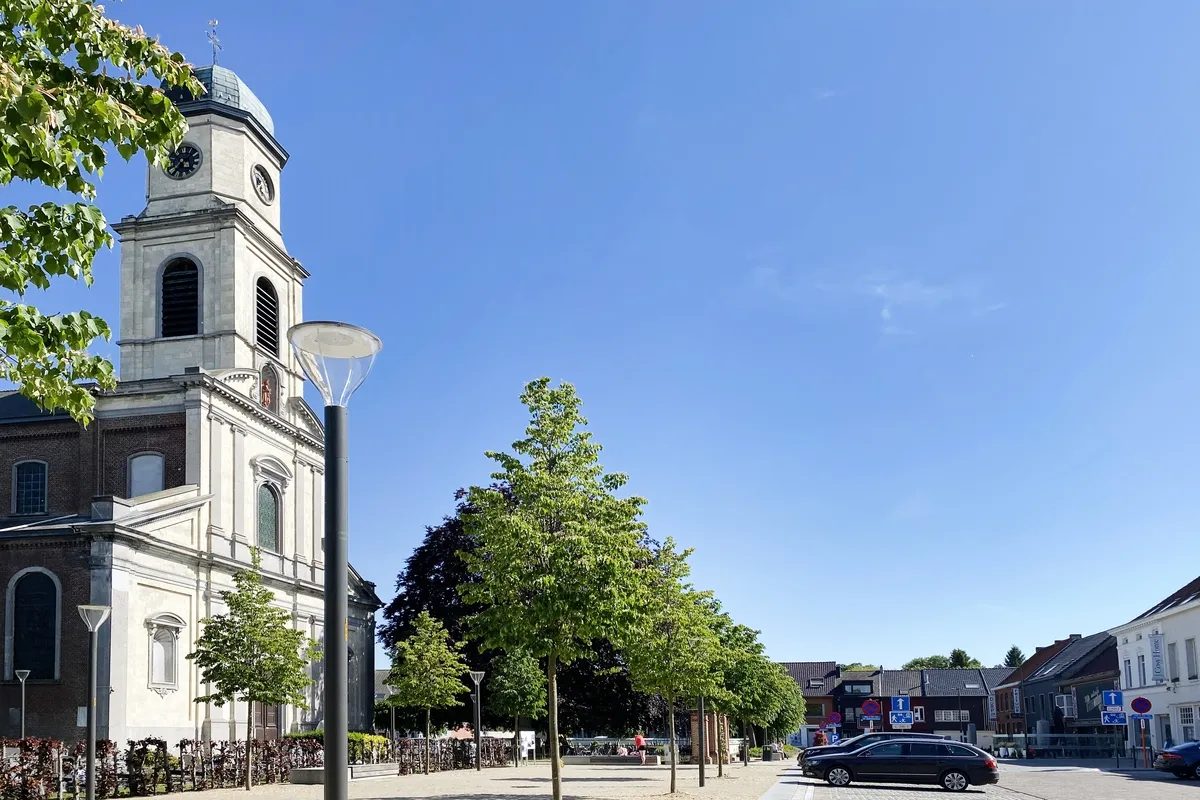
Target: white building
{"x": 206, "y": 449}
{"x": 1158, "y": 659}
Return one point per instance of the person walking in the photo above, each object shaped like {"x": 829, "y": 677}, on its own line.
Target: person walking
{"x": 639, "y": 744}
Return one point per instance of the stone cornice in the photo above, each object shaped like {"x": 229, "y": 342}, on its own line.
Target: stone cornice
{"x": 252, "y": 409}
{"x": 224, "y": 216}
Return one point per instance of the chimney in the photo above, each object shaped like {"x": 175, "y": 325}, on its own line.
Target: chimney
{"x": 1075, "y": 636}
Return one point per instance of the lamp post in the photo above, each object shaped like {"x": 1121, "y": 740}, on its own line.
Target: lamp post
{"x": 477, "y": 676}
{"x": 22, "y": 674}
{"x": 93, "y": 617}
{"x": 336, "y": 357}
{"x": 700, "y": 736}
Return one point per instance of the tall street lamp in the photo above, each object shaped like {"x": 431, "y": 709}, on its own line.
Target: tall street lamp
{"x": 93, "y": 617}
{"x": 699, "y": 746}
{"x": 477, "y": 676}
{"x": 336, "y": 357}
{"x": 22, "y": 674}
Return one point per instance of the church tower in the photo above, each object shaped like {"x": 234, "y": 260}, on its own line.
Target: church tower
{"x": 206, "y": 280}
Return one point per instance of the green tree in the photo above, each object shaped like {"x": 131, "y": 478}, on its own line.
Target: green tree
{"x": 674, "y": 649}
{"x": 857, "y": 666}
{"x": 558, "y": 554}
{"x": 791, "y": 708}
{"x": 1014, "y": 657}
{"x": 960, "y": 660}
{"x": 517, "y": 689}
{"x": 70, "y": 84}
{"x": 929, "y": 662}
{"x": 427, "y": 671}
{"x": 753, "y": 698}
{"x": 251, "y": 653}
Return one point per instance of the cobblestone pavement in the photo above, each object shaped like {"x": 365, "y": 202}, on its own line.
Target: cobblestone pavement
{"x": 1017, "y": 782}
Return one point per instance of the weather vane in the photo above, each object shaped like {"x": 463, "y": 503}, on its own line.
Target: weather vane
{"x": 212, "y": 37}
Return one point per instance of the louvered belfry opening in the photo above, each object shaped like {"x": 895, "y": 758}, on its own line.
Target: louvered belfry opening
{"x": 268, "y": 316}
{"x": 181, "y": 299}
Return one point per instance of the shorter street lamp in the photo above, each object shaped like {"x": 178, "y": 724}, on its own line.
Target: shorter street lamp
{"x": 22, "y": 674}
{"x": 477, "y": 676}
{"x": 93, "y": 617}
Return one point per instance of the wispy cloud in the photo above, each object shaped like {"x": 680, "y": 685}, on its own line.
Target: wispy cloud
{"x": 900, "y": 295}
{"x": 825, "y": 94}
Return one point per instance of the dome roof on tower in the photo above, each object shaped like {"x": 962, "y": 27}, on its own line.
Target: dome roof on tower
{"x": 226, "y": 92}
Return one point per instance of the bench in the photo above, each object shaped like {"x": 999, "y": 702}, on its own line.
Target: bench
{"x": 633, "y": 760}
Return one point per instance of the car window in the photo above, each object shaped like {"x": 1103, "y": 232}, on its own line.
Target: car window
{"x": 923, "y": 749}
{"x": 959, "y": 750}
{"x": 891, "y": 749}
{"x": 866, "y": 740}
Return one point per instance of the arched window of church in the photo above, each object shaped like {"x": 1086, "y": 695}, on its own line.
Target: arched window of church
{"x": 181, "y": 298}
{"x": 267, "y": 316}
{"x": 145, "y": 474}
{"x": 268, "y": 518}
{"x": 164, "y": 652}
{"x": 29, "y": 488}
{"x": 268, "y": 389}
{"x": 35, "y": 624}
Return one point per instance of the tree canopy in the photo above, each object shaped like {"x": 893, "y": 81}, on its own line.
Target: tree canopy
{"x": 1014, "y": 657}
{"x": 558, "y": 553}
{"x": 857, "y": 666}
{"x": 517, "y": 688}
{"x": 958, "y": 659}
{"x": 70, "y": 84}
{"x": 427, "y": 671}
{"x": 251, "y": 653}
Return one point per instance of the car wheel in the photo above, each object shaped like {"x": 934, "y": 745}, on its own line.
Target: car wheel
{"x": 1196, "y": 771}
{"x": 955, "y": 781}
{"x": 837, "y": 776}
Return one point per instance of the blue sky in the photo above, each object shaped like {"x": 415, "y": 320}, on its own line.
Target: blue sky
{"x": 888, "y": 308}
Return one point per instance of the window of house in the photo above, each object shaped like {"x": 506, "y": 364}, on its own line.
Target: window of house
{"x": 814, "y": 709}
{"x": 1141, "y": 670}
{"x": 815, "y": 683}
{"x": 181, "y": 298}
{"x": 942, "y": 715}
{"x": 35, "y": 624}
{"x": 858, "y": 688}
{"x": 145, "y": 474}
{"x": 1127, "y": 674}
{"x": 164, "y": 652}
{"x": 918, "y": 713}
{"x": 267, "y": 316}
{"x": 29, "y": 487}
{"x": 268, "y": 518}
{"x": 1189, "y": 653}
{"x": 1187, "y": 723}
{"x": 1172, "y": 661}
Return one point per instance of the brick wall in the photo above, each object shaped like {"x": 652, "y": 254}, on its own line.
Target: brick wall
{"x": 84, "y": 463}
{"x": 50, "y": 706}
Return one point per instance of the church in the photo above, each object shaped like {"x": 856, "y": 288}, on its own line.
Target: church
{"x": 204, "y": 450}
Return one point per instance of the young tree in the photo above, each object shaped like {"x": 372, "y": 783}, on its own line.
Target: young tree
{"x": 1014, "y": 657}
{"x": 558, "y": 554}
{"x": 251, "y": 653}
{"x": 928, "y": 662}
{"x": 517, "y": 688}
{"x": 756, "y": 701}
{"x": 427, "y": 671}
{"x": 791, "y": 706}
{"x": 857, "y": 666}
{"x": 674, "y": 652}
{"x": 70, "y": 85}
{"x": 960, "y": 660}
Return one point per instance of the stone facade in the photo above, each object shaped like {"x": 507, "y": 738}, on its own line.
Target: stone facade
{"x": 239, "y": 457}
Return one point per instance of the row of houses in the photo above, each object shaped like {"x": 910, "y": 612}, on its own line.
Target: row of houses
{"x": 1057, "y": 690}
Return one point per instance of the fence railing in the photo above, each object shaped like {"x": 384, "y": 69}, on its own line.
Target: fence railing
{"x": 33, "y": 769}
{"x": 1061, "y": 745}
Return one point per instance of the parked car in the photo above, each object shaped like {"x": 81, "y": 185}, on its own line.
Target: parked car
{"x": 861, "y": 741}
{"x": 1182, "y": 761}
{"x": 951, "y": 765}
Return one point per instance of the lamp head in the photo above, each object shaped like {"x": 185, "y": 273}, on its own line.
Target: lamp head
{"x": 336, "y": 357}
{"x": 94, "y": 616}
{"x": 21, "y": 674}
{"x": 477, "y": 676}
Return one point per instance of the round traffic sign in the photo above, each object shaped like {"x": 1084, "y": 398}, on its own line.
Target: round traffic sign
{"x": 834, "y": 718}
{"x": 871, "y": 708}
{"x": 1140, "y": 705}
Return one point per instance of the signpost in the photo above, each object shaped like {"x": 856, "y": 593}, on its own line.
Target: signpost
{"x": 901, "y": 720}
{"x": 901, "y": 704}
{"x": 1113, "y": 718}
{"x": 1113, "y": 701}
{"x": 872, "y": 711}
{"x": 835, "y": 719}
{"x": 1141, "y": 711}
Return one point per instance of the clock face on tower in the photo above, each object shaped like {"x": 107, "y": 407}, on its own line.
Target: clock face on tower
{"x": 183, "y": 162}
{"x": 262, "y": 184}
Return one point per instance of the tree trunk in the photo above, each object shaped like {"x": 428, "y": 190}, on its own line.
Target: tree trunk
{"x": 720, "y": 746}
{"x": 552, "y": 718}
{"x": 517, "y": 740}
{"x": 745, "y": 743}
{"x": 427, "y": 741}
{"x": 671, "y": 725}
{"x": 249, "y": 743}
